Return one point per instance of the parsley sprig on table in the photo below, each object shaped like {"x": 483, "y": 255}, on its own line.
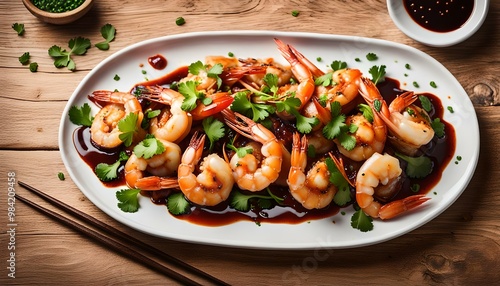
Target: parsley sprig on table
{"x": 62, "y": 58}
{"x": 108, "y": 33}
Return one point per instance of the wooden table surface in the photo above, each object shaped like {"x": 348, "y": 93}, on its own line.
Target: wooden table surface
{"x": 459, "y": 247}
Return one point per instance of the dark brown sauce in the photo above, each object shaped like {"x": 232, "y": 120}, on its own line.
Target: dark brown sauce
{"x": 440, "y": 150}
{"x": 439, "y": 15}
{"x": 168, "y": 78}
{"x": 158, "y": 62}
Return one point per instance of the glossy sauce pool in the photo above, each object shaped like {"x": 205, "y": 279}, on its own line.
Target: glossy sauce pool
{"x": 440, "y": 15}
{"x": 440, "y": 150}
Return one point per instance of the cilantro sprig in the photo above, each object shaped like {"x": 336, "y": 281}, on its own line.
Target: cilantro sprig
{"x": 214, "y": 130}
{"x": 291, "y": 106}
{"x": 108, "y": 33}
{"x": 191, "y": 95}
{"x": 378, "y": 73}
{"x": 242, "y": 202}
{"x": 418, "y": 167}
{"x": 24, "y": 58}
{"x": 128, "y": 200}
{"x": 257, "y": 111}
{"x": 343, "y": 195}
{"x": 149, "y": 147}
{"x": 361, "y": 221}
{"x": 81, "y": 115}
{"x": 177, "y": 204}
{"x": 62, "y": 58}
{"x": 338, "y": 129}
{"x": 106, "y": 172}
{"x": 128, "y": 127}
{"x": 213, "y": 72}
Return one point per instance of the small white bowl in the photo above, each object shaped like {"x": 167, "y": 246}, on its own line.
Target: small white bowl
{"x": 407, "y": 25}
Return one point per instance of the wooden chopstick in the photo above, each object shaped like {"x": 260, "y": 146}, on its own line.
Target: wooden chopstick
{"x": 114, "y": 232}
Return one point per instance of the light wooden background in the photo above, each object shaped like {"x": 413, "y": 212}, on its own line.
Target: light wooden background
{"x": 459, "y": 247}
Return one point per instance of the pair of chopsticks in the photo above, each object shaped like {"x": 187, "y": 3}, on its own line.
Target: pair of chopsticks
{"x": 117, "y": 240}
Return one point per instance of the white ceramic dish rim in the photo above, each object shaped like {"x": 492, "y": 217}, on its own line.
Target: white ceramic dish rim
{"x": 413, "y": 30}
{"x": 279, "y": 236}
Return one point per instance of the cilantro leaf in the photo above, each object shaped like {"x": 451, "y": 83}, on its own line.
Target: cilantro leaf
{"x": 325, "y": 80}
{"x": 338, "y": 129}
{"x": 343, "y": 195}
{"x": 256, "y": 111}
{"x": 177, "y": 204}
{"x": 62, "y": 58}
{"x": 81, "y": 116}
{"x": 438, "y": 127}
{"x": 367, "y": 111}
{"x": 338, "y": 65}
{"x": 190, "y": 93}
{"x": 24, "y": 59}
{"x": 108, "y": 33}
{"x": 106, "y": 172}
{"x": 371, "y": 56}
{"x": 214, "y": 129}
{"x": 333, "y": 128}
{"x": 361, "y": 221}
{"x": 128, "y": 127}
{"x": 241, "y": 151}
{"x": 271, "y": 81}
{"x": 19, "y": 28}
{"x": 290, "y": 105}
{"x": 426, "y": 103}
{"x": 33, "y": 67}
{"x": 149, "y": 147}
{"x": 242, "y": 202}
{"x": 377, "y": 73}
{"x": 418, "y": 167}
{"x": 196, "y": 67}
{"x": 128, "y": 200}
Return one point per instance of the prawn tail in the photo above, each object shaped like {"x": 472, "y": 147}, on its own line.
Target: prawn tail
{"x": 399, "y": 207}
{"x": 102, "y": 95}
{"x": 220, "y": 101}
{"x": 155, "y": 183}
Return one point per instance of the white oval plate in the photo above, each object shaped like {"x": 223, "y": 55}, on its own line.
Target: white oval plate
{"x": 185, "y": 49}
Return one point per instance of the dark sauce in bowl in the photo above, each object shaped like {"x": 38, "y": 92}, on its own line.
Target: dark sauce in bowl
{"x": 440, "y": 150}
{"x": 439, "y": 15}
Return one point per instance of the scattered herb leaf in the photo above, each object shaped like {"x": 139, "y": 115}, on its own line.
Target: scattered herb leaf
{"x": 60, "y": 175}
{"x": 81, "y": 115}
{"x": 377, "y": 73}
{"x": 214, "y": 130}
{"x": 19, "y": 28}
{"x": 33, "y": 67}
{"x": 62, "y": 58}
{"x": 177, "y": 204}
{"x": 371, "y": 57}
{"x": 108, "y": 33}
{"x": 128, "y": 200}
{"x": 295, "y": 13}
{"x": 426, "y": 103}
{"x": 418, "y": 167}
{"x": 361, "y": 221}
{"x": 24, "y": 59}
{"x": 180, "y": 21}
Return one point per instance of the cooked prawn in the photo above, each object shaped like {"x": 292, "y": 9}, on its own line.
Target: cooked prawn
{"x": 104, "y": 129}
{"x": 382, "y": 170}
{"x": 173, "y": 123}
{"x": 148, "y": 174}
{"x": 370, "y": 136}
{"x": 409, "y": 125}
{"x": 250, "y": 173}
{"x": 256, "y": 80}
{"x": 314, "y": 190}
{"x": 305, "y": 88}
{"x": 344, "y": 87}
{"x": 215, "y": 182}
